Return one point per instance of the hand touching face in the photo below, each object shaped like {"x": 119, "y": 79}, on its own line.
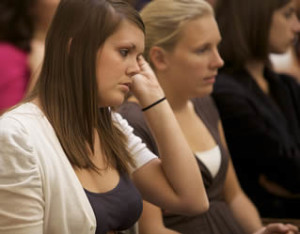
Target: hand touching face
{"x": 145, "y": 86}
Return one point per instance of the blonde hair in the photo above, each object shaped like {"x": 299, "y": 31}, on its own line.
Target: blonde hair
{"x": 164, "y": 20}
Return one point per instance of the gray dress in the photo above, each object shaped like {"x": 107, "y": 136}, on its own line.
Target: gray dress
{"x": 219, "y": 218}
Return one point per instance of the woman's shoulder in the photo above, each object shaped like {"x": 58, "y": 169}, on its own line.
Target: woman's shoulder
{"x": 12, "y": 126}
{"x": 128, "y": 116}
{"x": 20, "y": 119}
{"x": 132, "y": 112}
{"x": 15, "y": 138}
{"x": 235, "y": 84}
{"x": 205, "y": 102}
{"x": 136, "y": 147}
{"x": 23, "y": 111}
{"x": 206, "y": 108}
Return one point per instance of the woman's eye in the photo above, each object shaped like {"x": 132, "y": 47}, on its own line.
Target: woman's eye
{"x": 202, "y": 50}
{"x": 124, "y": 52}
{"x": 288, "y": 14}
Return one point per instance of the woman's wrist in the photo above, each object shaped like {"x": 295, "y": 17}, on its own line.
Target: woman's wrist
{"x": 154, "y": 104}
{"x": 146, "y": 99}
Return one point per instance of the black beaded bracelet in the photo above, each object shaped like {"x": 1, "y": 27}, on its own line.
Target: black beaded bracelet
{"x": 153, "y": 104}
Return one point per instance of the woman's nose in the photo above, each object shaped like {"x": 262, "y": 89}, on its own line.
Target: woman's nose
{"x": 296, "y": 25}
{"x": 133, "y": 68}
{"x": 218, "y": 62}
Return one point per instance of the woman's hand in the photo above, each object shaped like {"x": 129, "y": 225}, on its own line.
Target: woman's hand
{"x": 145, "y": 86}
{"x": 276, "y": 228}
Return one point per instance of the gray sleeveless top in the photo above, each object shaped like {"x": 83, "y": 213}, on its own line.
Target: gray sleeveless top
{"x": 218, "y": 219}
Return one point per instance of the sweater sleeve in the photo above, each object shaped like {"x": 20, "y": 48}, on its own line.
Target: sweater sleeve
{"x": 21, "y": 195}
{"x": 137, "y": 148}
{"x": 132, "y": 113}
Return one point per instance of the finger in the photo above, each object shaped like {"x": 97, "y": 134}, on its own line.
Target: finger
{"x": 277, "y": 227}
{"x": 292, "y": 227}
{"x": 292, "y": 232}
{"x": 145, "y": 67}
{"x": 137, "y": 76}
{"x": 142, "y": 61}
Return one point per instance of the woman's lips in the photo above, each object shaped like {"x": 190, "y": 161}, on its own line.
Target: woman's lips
{"x": 125, "y": 86}
{"x": 210, "y": 79}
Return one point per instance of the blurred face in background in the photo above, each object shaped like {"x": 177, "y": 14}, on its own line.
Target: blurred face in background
{"x": 194, "y": 62}
{"x": 284, "y": 28}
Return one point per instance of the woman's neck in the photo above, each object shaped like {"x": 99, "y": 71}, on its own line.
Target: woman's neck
{"x": 256, "y": 70}
{"x": 40, "y": 35}
{"x": 178, "y": 101}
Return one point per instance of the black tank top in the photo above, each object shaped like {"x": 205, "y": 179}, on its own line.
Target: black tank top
{"x": 117, "y": 209}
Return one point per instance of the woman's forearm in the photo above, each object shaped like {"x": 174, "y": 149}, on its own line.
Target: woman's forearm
{"x": 177, "y": 160}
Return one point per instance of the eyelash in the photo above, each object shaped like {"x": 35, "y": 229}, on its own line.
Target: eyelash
{"x": 202, "y": 50}
{"x": 124, "y": 52}
{"x": 289, "y": 14}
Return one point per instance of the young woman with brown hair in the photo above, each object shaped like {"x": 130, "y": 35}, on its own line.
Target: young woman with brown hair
{"x": 68, "y": 161}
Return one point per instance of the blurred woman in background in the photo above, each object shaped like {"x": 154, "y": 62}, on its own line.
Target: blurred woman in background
{"x": 259, "y": 108}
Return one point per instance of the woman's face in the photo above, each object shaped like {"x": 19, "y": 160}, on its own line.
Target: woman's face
{"x": 284, "y": 27}
{"x": 117, "y": 62}
{"x": 194, "y": 62}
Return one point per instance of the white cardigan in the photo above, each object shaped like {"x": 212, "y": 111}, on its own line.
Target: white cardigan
{"x": 39, "y": 190}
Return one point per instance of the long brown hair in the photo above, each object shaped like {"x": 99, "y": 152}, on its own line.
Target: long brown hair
{"x": 245, "y": 28}
{"x": 67, "y": 86}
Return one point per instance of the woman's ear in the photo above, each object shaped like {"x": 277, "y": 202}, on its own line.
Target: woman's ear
{"x": 158, "y": 57}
